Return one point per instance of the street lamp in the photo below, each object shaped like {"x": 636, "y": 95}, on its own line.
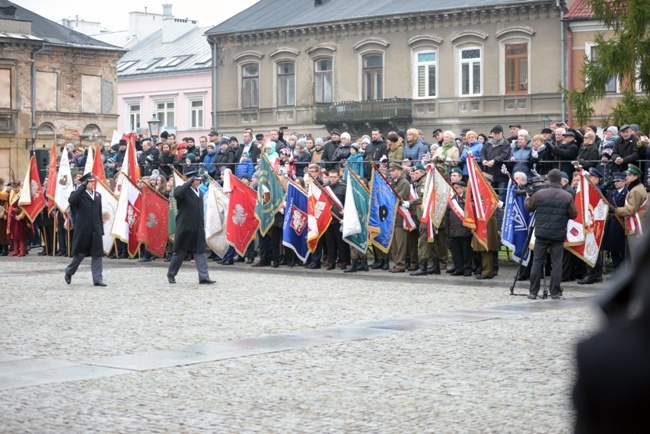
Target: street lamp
{"x": 34, "y": 131}
{"x": 154, "y": 128}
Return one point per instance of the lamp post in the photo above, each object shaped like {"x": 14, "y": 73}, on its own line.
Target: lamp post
{"x": 34, "y": 131}
{"x": 154, "y": 128}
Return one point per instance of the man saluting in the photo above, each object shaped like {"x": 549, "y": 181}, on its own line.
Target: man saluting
{"x": 86, "y": 205}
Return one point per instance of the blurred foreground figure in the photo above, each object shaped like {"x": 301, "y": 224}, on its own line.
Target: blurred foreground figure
{"x": 612, "y": 393}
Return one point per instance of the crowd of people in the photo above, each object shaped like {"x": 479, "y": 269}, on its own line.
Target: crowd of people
{"x": 616, "y": 163}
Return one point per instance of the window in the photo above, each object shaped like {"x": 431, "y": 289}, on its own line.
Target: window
{"x": 250, "y": 86}
{"x": 165, "y": 113}
{"x": 91, "y": 94}
{"x": 148, "y": 64}
{"x": 612, "y": 83}
{"x": 172, "y": 61}
{"x": 470, "y": 71}
{"x": 134, "y": 116}
{"x": 372, "y": 76}
{"x": 122, "y": 66}
{"x": 5, "y": 88}
{"x": 196, "y": 114}
{"x": 425, "y": 74}
{"x": 323, "y": 80}
{"x": 46, "y": 90}
{"x": 516, "y": 68}
{"x": 286, "y": 84}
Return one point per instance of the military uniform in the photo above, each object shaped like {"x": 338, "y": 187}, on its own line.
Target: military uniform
{"x": 400, "y": 235}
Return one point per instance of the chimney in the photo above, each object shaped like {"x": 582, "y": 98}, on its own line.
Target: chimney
{"x": 167, "y": 10}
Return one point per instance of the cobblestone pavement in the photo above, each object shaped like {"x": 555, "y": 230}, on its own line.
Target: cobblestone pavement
{"x": 282, "y": 350}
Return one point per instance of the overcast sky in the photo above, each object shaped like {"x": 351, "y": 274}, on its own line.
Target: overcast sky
{"x": 114, "y": 14}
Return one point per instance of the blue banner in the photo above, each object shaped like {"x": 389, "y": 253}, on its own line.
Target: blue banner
{"x": 294, "y": 230}
{"x": 383, "y": 207}
{"x": 516, "y": 221}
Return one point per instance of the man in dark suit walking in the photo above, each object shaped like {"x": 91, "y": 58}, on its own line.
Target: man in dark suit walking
{"x": 86, "y": 205}
{"x": 190, "y": 230}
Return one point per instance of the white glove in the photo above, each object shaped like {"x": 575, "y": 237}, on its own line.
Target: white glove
{"x": 500, "y": 205}
{"x": 406, "y": 203}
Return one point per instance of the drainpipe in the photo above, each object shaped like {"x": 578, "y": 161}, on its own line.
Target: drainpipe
{"x": 214, "y": 46}
{"x": 33, "y": 126}
{"x": 570, "y": 68}
{"x": 558, "y": 5}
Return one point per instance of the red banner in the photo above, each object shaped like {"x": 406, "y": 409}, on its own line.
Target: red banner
{"x": 152, "y": 225}
{"x": 51, "y": 178}
{"x": 242, "y": 224}
{"x": 481, "y": 202}
{"x": 98, "y": 166}
{"x": 32, "y": 198}
{"x": 319, "y": 216}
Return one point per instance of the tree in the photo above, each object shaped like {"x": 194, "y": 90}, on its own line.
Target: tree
{"x": 625, "y": 55}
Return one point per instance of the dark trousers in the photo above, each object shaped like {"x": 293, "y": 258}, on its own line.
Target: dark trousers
{"x": 335, "y": 244}
{"x": 461, "y": 253}
{"x": 556, "y": 250}
{"x": 270, "y": 245}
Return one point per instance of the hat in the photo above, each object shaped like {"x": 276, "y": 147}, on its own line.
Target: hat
{"x": 164, "y": 135}
{"x": 233, "y": 139}
{"x": 318, "y": 142}
{"x": 190, "y": 155}
{"x": 395, "y": 166}
{"x": 456, "y": 170}
{"x": 624, "y": 127}
{"x": 194, "y": 174}
{"x": 595, "y": 172}
{"x": 593, "y": 128}
{"x": 514, "y": 125}
{"x": 259, "y": 136}
{"x": 355, "y": 146}
{"x": 87, "y": 177}
{"x": 546, "y": 131}
{"x": 122, "y": 143}
{"x": 635, "y": 128}
{"x": 496, "y": 129}
{"x": 245, "y": 154}
{"x": 70, "y": 146}
{"x": 607, "y": 153}
{"x": 210, "y": 145}
{"x": 564, "y": 174}
{"x": 181, "y": 146}
{"x": 213, "y": 133}
{"x": 402, "y": 134}
{"x": 631, "y": 168}
{"x": 613, "y": 130}
{"x": 569, "y": 134}
{"x": 436, "y": 131}
{"x": 419, "y": 166}
{"x": 224, "y": 141}
{"x": 618, "y": 176}
{"x": 461, "y": 183}
{"x": 335, "y": 131}
{"x": 365, "y": 140}
{"x": 285, "y": 151}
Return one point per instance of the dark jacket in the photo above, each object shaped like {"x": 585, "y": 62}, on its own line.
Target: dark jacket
{"x": 339, "y": 191}
{"x": 166, "y": 163}
{"x": 566, "y": 152}
{"x": 554, "y": 207}
{"x": 499, "y": 151}
{"x": 328, "y": 154}
{"x": 148, "y": 161}
{"x": 373, "y": 153}
{"x": 589, "y": 156}
{"x": 454, "y": 223}
{"x": 225, "y": 158}
{"x": 89, "y": 226}
{"x": 614, "y": 236}
{"x": 627, "y": 150}
{"x": 190, "y": 231}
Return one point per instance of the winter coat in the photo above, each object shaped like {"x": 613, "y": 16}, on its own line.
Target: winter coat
{"x": 554, "y": 207}
{"x": 455, "y": 226}
{"x": 627, "y": 150}
{"x": 355, "y": 162}
{"x": 245, "y": 168}
{"x": 522, "y": 161}
{"x": 588, "y": 153}
{"x": 499, "y": 151}
{"x": 190, "y": 230}
{"x": 566, "y": 153}
{"x": 89, "y": 225}
{"x": 396, "y": 152}
{"x": 474, "y": 149}
{"x": 166, "y": 163}
{"x": 614, "y": 236}
{"x": 415, "y": 152}
{"x": 209, "y": 163}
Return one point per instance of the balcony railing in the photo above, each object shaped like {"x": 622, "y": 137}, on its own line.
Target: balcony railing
{"x": 379, "y": 110}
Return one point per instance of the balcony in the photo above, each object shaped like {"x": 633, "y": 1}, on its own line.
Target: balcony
{"x": 370, "y": 111}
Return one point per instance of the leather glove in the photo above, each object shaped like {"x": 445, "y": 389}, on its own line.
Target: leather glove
{"x": 612, "y": 209}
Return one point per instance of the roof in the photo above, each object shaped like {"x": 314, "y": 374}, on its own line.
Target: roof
{"x": 50, "y": 31}
{"x": 304, "y": 12}
{"x": 579, "y": 10}
{"x": 123, "y": 38}
{"x": 151, "y": 56}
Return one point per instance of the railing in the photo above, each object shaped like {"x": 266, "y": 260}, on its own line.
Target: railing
{"x": 380, "y": 110}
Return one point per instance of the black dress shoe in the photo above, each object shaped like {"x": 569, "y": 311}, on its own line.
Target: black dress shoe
{"x": 377, "y": 264}
{"x": 557, "y": 297}
{"x": 60, "y": 254}
{"x": 112, "y": 256}
{"x": 100, "y": 284}
{"x": 275, "y": 264}
{"x": 451, "y": 271}
{"x": 532, "y": 296}
{"x": 385, "y": 266}
{"x": 331, "y": 267}
{"x": 171, "y": 278}
{"x": 168, "y": 259}
{"x": 228, "y": 262}
{"x": 68, "y": 278}
{"x": 42, "y": 253}
{"x": 206, "y": 282}
{"x": 483, "y": 277}
{"x": 457, "y": 273}
{"x": 467, "y": 273}
{"x": 261, "y": 264}
{"x": 314, "y": 266}
{"x": 523, "y": 277}
{"x": 249, "y": 260}
{"x": 144, "y": 260}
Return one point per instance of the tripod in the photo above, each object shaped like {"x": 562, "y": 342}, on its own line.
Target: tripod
{"x": 531, "y": 229}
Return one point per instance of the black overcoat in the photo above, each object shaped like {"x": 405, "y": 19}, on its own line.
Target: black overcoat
{"x": 88, "y": 224}
{"x": 614, "y": 236}
{"x": 190, "y": 228}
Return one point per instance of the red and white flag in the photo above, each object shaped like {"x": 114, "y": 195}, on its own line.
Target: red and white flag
{"x": 242, "y": 224}
{"x": 98, "y": 166}
{"x": 152, "y": 226}
{"x": 51, "y": 179}
{"x": 130, "y": 164}
{"x": 32, "y": 196}
{"x": 63, "y": 183}
{"x": 109, "y": 207}
{"x": 443, "y": 192}
{"x": 127, "y": 215}
{"x": 481, "y": 202}
{"x": 408, "y": 222}
{"x": 319, "y": 215}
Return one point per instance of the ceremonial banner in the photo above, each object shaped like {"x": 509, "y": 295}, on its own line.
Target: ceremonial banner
{"x": 127, "y": 215}
{"x": 109, "y": 208}
{"x": 51, "y": 179}
{"x": 270, "y": 195}
{"x": 589, "y": 224}
{"x": 481, "y": 202}
{"x": 32, "y": 196}
{"x": 63, "y": 184}
{"x": 130, "y": 164}
{"x": 242, "y": 224}
{"x": 294, "y": 229}
{"x": 216, "y": 218}
{"x": 356, "y": 213}
{"x": 409, "y": 222}
{"x": 152, "y": 227}
{"x": 514, "y": 229}
{"x": 443, "y": 192}
{"x": 90, "y": 159}
{"x": 177, "y": 179}
{"x": 319, "y": 215}
{"x": 383, "y": 208}
{"x": 98, "y": 166}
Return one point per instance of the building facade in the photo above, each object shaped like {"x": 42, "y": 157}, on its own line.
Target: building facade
{"x": 56, "y": 85}
{"x": 392, "y": 65}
